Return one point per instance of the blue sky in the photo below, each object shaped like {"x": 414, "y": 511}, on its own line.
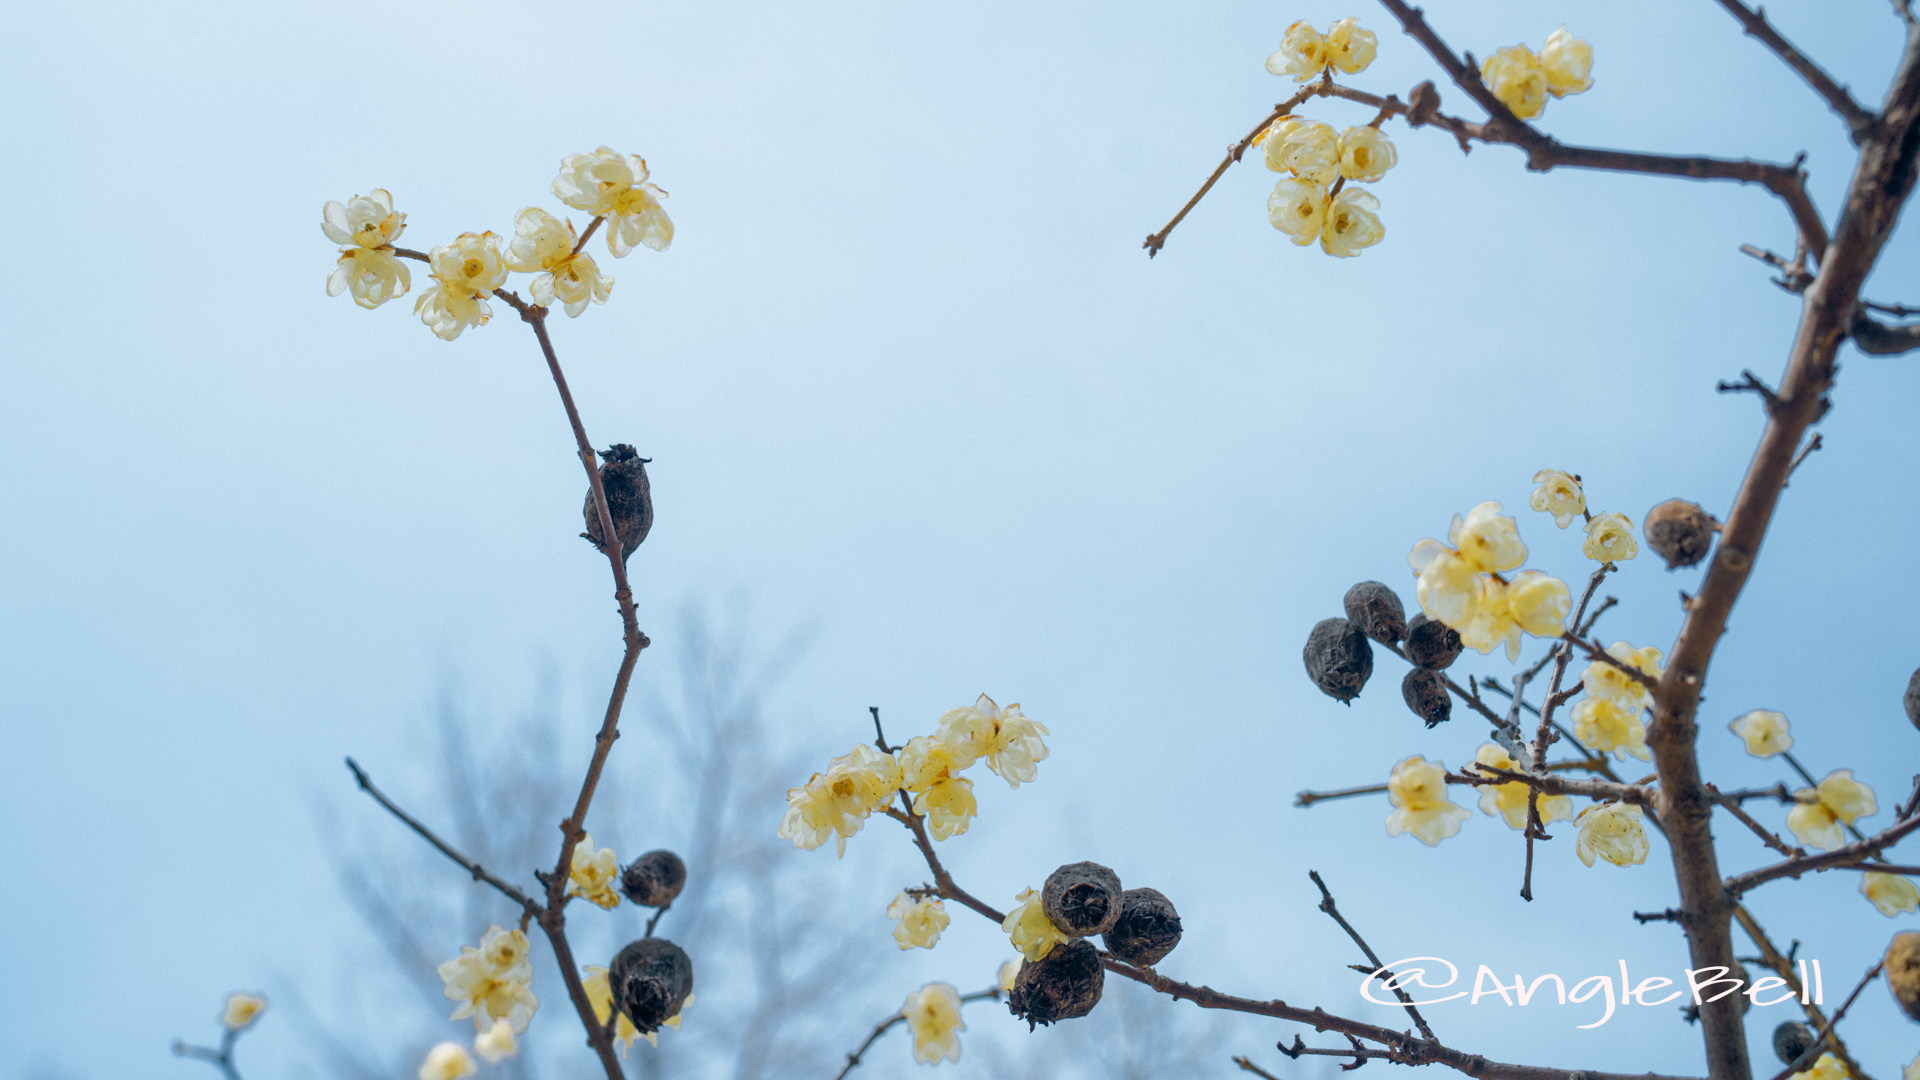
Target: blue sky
{"x": 909, "y": 383}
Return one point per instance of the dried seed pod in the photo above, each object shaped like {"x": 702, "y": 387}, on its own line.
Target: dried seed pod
{"x": 1903, "y": 972}
{"x": 1422, "y": 104}
{"x": 623, "y": 476}
{"x": 650, "y": 980}
{"x": 1790, "y": 1040}
{"x": 1680, "y": 532}
{"x": 1082, "y": 899}
{"x": 1064, "y": 985}
{"x": 1431, "y": 643}
{"x": 1912, "y": 700}
{"x": 1426, "y": 694}
{"x": 1338, "y": 658}
{"x": 1147, "y": 930}
{"x": 1376, "y": 610}
{"x": 654, "y": 879}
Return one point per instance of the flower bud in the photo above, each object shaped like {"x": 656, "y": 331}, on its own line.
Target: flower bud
{"x": 650, "y": 980}
{"x": 1376, "y": 610}
{"x": 1431, "y": 643}
{"x": 623, "y": 476}
{"x": 1790, "y": 1040}
{"x": 1339, "y": 660}
{"x": 1082, "y": 899}
{"x": 1425, "y": 691}
{"x": 1912, "y": 699}
{"x": 1147, "y": 930}
{"x": 654, "y": 879}
{"x": 1064, "y": 985}
{"x": 1422, "y": 104}
{"x": 1680, "y": 532}
{"x": 1903, "y": 972}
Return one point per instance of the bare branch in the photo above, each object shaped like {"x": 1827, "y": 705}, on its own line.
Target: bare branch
{"x": 1750, "y": 382}
{"x": 1783, "y": 967}
{"x": 1856, "y": 852}
{"x": 1811, "y": 1054}
{"x": 1604, "y": 790}
{"x": 1156, "y": 241}
{"x": 1860, "y": 121}
{"x": 1333, "y": 911}
{"x": 884, "y": 1026}
{"x": 479, "y": 872}
{"x": 1878, "y": 339}
{"x": 1794, "y": 466}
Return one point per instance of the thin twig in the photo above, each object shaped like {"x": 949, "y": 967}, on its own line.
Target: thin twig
{"x": 1156, "y": 241}
{"x": 1254, "y": 1069}
{"x": 1782, "y": 966}
{"x": 1812, "y": 445}
{"x": 1857, "y": 852}
{"x": 479, "y": 872}
{"x": 584, "y": 237}
{"x": 1898, "y": 311}
{"x": 1333, "y": 911}
{"x": 221, "y": 1059}
{"x": 884, "y": 1026}
{"x": 1766, "y": 835}
{"x": 1860, "y": 121}
{"x": 1810, "y": 1054}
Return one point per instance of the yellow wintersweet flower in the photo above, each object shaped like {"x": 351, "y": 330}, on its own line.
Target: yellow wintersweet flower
{"x": 1559, "y": 494}
{"x": 1310, "y": 150}
{"x": 447, "y": 1061}
{"x": 1298, "y": 209}
{"x": 1515, "y": 76}
{"x": 1351, "y": 225}
{"x": 372, "y": 276}
{"x": 1487, "y": 539}
{"x": 366, "y": 226}
{"x": 1032, "y": 932}
{"x": 920, "y": 921}
{"x": 1891, "y": 893}
{"x": 1765, "y": 733}
{"x": 463, "y": 272}
{"x": 1492, "y": 622}
{"x": 1539, "y": 605}
{"x": 1612, "y": 832}
{"x": 1566, "y": 61}
{"x": 1302, "y": 53}
{"x": 1839, "y": 799}
{"x": 928, "y": 759}
{"x": 948, "y": 806}
{"x": 638, "y": 218}
{"x": 543, "y": 245}
{"x": 1603, "y": 725}
{"x": 1913, "y": 1069}
{"x": 839, "y": 800}
{"x": 242, "y": 1010}
{"x": 600, "y": 996}
{"x": 1418, "y": 791}
{"x": 1349, "y": 47}
{"x": 930, "y": 768}
{"x": 1603, "y": 680}
{"x": 594, "y": 873}
{"x": 1447, "y": 586}
{"x": 1009, "y": 971}
{"x": 364, "y": 221}
{"x": 1827, "y": 1068}
{"x": 490, "y": 982}
{"x": 1273, "y": 142}
{"x": 1610, "y": 539}
{"x": 933, "y": 1015}
{"x": 591, "y": 182}
{"x": 1509, "y": 801}
{"x": 1366, "y": 154}
{"x": 1006, "y": 739}
{"x": 496, "y": 1044}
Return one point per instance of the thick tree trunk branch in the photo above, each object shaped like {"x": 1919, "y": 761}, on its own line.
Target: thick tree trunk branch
{"x": 1878, "y": 339}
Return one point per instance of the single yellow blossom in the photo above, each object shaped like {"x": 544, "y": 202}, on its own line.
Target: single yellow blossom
{"x": 1447, "y": 585}
{"x": 1891, "y": 893}
{"x": 242, "y": 1010}
{"x": 948, "y": 806}
{"x": 591, "y": 182}
{"x": 1418, "y": 790}
{"x": 1840, "y": 799}
{"x": 594, "y": 873}
{"x": 920, "y": 921}
{"x": 1604, "y": 680}
{"x": 1610, "y": 539}
{"x": 1298, "y": 209}
{"x": 1351, "y": 225}
{"x": 930, "y": 767}
{"x": 1366, "y": 154}
{"x": 1612, "y": 832}
{"x": 364, "y": 221}
{"x": 933, "y": 1015}
{"x": 463, "y": 272}
{"x": 1509, "y": 801}
{"x": 1827, "y": 1068}
{"x": 1492, "y": 624}
{"x": 639, "y": 219}
{"x": 839, "y": 800}
{"x": 496, "y": 1044}
{"x": 544, "y": 245}
{"x": 1009, "y": 971}
{"x": 1310, "y": 150}
{"x": 1566, "y": 60}
{"x": 1604, "y": 726}
{"x": 1539, "y": 605}
{"x": 1273, "y": 142}
{"x": 1302, "y": 53}
{"x": 928, "y": 759}
{"x": 1515, "y": 76}
{"x": 447, "y": 1061}
{"x": 1349, "y": 47}
{"x": 1559, "y": 494}
{"x": 1765, "y": 733}
{"x": 1032, "y": 932}
{"x": 600, "y": 996}
{"x": 1006, "y": 739}
{"x": 490, "y": 982}
{"x": 372, "y": 276}
{"x": 1487, "y": 539}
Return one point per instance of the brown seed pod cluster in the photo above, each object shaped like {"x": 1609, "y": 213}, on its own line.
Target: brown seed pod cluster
{"x": 1082, "y": 899}
{"x": 1063, "y": 985}
{"x": 1339, "y": 660}
{"x": 1912, "y": 698}
{"x": 654, "y": 879}
{"x": 1431, "y": 643}
{"x": 1376, "y": 610}
{"x": 1425, "y": 691}
{"x": 1903, "y": 972}
{"x": 623, "y": 476}
{"x": 1790, "y": 1040}
{"x": 1147, "y": 930}
{"x": 1679, "y": 532}
{"x": 650, "y": 980}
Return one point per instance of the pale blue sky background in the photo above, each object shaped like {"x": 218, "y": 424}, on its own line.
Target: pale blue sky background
{"x": 908, "y": 381}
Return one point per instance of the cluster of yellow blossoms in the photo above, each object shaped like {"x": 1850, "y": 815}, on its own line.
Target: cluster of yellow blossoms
{"x": 1509, "y": 801}
{"x": 1314, "y": 156}
{"x": 600, "y": 996}
{"x": 1459, "y": 583}
{"x": 606, "y": 184}
{"x": 593, "y": 873}
{"x": 450, "y": 1060}
{"x": 1305, "y": 52}
{"x": 1609, "y": 536}
{"x": 1608, "y": 718}
{"x": 491, "y": 982}
{"x": 836, "y": 803}
{"x": 1522, "y": 78}
{"x": 1418, "y": 790}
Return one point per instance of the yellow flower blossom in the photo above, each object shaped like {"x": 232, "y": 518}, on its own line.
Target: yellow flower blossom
{"x": 1539, "y": 605}
{"x": 1610, "y": 539}
{"x": 1351, "y": 225}
{"x": 1447, "y": 586}
{"x": 930, "y": 767}
{"x": 1559, "y": 494}
{"x": 1298, "y": 209}
{"x": 1612, "y": 832}
{"x": 1006, "y": 739}
{"x": 920, "y": 921}
{"x": 1515, "y": 76}
{"x": 1009, "y": 971}
{"x": 839, "y": 800}
{"x": 638, "y": 218}
{"x": 1492, "y": 622}
{"x": 372, "y": 276}
{"x": 600, "y": 996}
{"x": 933, "y": 1015}
{"x": 496, "y": 1044}
{"x": 1604, "y": 680}
{"x": 1366, "y": 154}
{"x": 591, "y": 182}
{"x": 463, "y": 272}
{"x": 1310, "y": 150}
{"x": 1891, "y": 893}
{"x": 948, "y": 806}
{"x": 1273, "y": 142}
{"x": 1566, "y": 60}
{"x": 1349, "y": 47}
{"x": 1487, "y": 539}
{"x": 1840, "y": 799}
{"x": 1604, "y": 726}
{"x": 928, "y": 759}
{"x": 1827, "y": 1068}
{"x": 1509, "y": 801}
{"x": 490, "y": 982}
{"x": 1302, "y": 53}
{"x": 1032, "y": 932}
{"x": 594, "y": 873}
{"x": 1418, "y": 790}
{"x": 1913, "y": 1069}
{"x": 447, "y": 1061}
{"x": 1765, "y": 733}
{"x": 543, "y": 245}
{"x": 364, "y": 221}
{"x": 242, "y": 1010}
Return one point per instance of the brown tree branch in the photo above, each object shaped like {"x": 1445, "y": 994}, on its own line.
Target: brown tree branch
{"x": 1155, "y": 241}
{"x": 884, "y": 1026}
{"x": 1792, "y": 867}
{"x": 1783, "y": 967}
{"x": 480, "y": 873}
{"x": 1878, "y": 339}
{"x": 1812, "y": 1053}
{"x": 1333, "y": 911}
{"x": 1859, "y": 120}
{"x": 1603, "y": 790}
